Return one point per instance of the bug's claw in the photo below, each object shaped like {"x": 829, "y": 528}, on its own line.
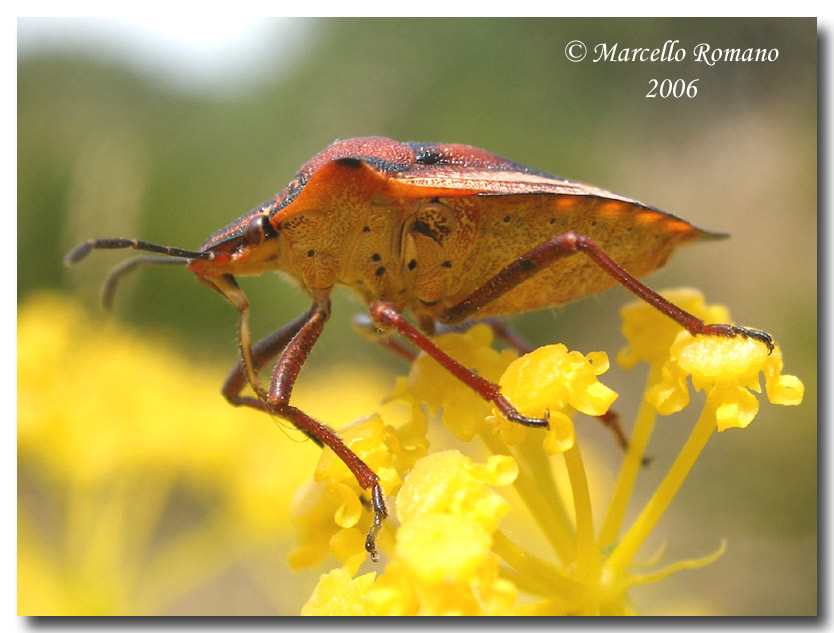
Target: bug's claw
{"x": 380, "y": 513}
{"x": 512, "y": 414}
{"x": 730, "y": 331}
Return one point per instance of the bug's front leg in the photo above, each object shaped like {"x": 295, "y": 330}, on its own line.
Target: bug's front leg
{"x": 261, "y": 354}
{"x": 227, "y": 286}
{"x": 286, "y": 371}
{"x": 386, "y": 316}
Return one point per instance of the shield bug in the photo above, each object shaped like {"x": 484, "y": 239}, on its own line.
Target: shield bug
{"x": 446, "y": 232}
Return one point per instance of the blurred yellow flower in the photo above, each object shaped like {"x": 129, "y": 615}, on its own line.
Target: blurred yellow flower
{"x": 138, "y": 483}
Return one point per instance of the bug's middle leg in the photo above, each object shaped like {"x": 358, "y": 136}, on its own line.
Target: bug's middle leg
{"x": 387, "y": 316}
{"x": 364, "y": 326}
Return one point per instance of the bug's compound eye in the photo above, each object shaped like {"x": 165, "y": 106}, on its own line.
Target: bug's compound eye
{"x": 257, "y": 230}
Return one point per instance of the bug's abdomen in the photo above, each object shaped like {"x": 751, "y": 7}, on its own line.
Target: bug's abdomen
{"x": 638, "y": 238}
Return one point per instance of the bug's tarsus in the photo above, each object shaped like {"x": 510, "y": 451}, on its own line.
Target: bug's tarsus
{"x": 512, "y": 414}
{"x": 380, "y": 514}
{"x": 730, "y": 331}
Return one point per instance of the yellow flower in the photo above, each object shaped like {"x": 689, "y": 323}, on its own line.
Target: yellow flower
{"x": 444, "y": 564}
{"x": 139, "y": 486}
{"x": 727, "y": 369}
{"x": 129, "y": 430}
{"x": 451, "y": 555}
{"x": 553, "y": 380}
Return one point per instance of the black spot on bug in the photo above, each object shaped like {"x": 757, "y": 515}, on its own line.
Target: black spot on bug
{"x": 311, "y": 252}
{"x": 427, "y": 156}
{"x": 412, "y": 264}
{"x": 375, "y": 257}
{"x": 380, "y": 271}
{"x": 366, "y": 229}
{"x": 350, "y": 163}
{"x": 506, "y": 218}
{"x": 446, "y": 264}
{"x": 594, "y": 223}
{"x": 436, "y": 230}
{"x": 526, "y": 265}
{"x": 553, "y": 220}
{"x": 435, "y": 200}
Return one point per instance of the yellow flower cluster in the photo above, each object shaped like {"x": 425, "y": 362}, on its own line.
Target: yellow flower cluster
{"x": 448, "y": 554}
{"x": 138, "y": 483}
{"x": 114, "y": 431}
{"x": 444, "y": 562}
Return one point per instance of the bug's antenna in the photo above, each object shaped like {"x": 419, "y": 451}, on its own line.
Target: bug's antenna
{"x": 108, "y": 289}
{"x": 82, "y": 250}
{"x": 172, "y": 257}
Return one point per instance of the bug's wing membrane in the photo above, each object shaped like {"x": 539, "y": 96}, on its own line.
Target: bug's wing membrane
{"x": 498, "y": 182}
{"x": 495, "y": 182}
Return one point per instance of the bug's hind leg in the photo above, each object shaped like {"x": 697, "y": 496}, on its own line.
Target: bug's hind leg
{"x": 569, "y": 243}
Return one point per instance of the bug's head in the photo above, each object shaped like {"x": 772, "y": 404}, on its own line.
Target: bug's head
{"x": 247, "y": 246}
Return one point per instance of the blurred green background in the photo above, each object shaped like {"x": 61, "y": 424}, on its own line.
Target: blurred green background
{"x": 106, "y": 150}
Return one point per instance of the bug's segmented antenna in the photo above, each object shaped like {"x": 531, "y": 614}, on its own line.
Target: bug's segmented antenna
{"x": 108, "y": 289}
{"x": 82, "y": 250}
{"x": 180, "y": 257}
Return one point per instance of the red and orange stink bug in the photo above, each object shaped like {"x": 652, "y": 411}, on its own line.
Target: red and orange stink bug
{"x": 445, "y": 232}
